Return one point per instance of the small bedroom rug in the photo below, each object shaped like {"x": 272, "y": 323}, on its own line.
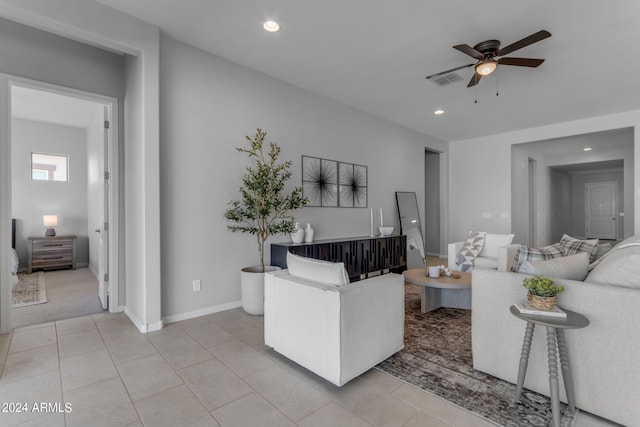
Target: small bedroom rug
{"x": 30, "y": 290}
{"x": 437, "y": 358}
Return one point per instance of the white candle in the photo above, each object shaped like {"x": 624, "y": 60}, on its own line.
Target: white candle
{"x": 381, "y": 220}
{"x": 371, "y": 223}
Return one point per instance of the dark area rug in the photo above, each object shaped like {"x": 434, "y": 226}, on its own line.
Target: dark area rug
{"x": 437, "y": 358}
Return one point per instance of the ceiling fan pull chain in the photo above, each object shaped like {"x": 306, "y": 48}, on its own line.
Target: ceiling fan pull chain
{"x": 498, "y": 82}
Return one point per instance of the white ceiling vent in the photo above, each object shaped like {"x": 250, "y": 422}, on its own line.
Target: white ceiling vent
{"x": 445, "y": 79}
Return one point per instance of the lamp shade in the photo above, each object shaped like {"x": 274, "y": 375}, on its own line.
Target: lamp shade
{"x": 50, "y": 220}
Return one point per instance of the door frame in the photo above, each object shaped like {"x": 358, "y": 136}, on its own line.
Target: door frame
{"x": 7, "y": 81}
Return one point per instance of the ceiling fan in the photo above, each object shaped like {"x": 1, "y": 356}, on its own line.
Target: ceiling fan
{"x": 487, "y": 53}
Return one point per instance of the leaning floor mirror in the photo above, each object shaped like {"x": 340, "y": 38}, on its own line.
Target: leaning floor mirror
{"x": 410, "y": 226}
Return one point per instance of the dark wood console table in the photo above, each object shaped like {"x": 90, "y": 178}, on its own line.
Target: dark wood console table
{"x": 362, "y": 256}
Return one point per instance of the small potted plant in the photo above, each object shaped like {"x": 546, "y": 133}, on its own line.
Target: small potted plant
{"x": 542, "y": 292}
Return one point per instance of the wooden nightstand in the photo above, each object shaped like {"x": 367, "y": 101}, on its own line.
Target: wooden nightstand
{"x": 49, "y": 252}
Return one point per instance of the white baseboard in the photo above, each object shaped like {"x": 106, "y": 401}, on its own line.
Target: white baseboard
{"x": 93, "y": 271}
{"x": 143, "y": 327}
{"x": 202, "y": 312}
{"x": 119, "y": 309}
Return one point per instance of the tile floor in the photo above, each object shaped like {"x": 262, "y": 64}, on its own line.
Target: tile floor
{"x": 209, "y": 371}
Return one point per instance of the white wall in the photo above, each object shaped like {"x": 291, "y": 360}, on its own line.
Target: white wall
{"x": 134, "y": 191}
{"x": 490, "y": 189}
{"x": 208, "y": 106}
{"x": 521, "y": 211}
{"x": 479, "y": 177}
{"x": 33, "y": 199}
{"x": 560, "y": 207}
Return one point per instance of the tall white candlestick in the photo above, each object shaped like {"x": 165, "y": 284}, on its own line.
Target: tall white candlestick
{"x": 381, "y": 220}
{"x": 371, "y": 232}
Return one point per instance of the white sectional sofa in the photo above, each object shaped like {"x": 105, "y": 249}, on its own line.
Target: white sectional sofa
{"x": 338, "y": 331}
{"x": 605, "y": 356}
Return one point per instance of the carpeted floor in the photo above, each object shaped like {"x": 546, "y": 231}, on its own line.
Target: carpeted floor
{"x": 30, "y": 290}
{"x": 70, "y": 293}
{"x": 437, "y": 357}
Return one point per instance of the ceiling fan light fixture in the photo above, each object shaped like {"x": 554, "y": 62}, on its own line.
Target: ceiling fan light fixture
{"x": 486, "y": 67}
{"x": 439, "y": 112}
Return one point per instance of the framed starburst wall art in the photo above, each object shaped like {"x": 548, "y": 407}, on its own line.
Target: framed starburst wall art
{"x": 328, "y": 183}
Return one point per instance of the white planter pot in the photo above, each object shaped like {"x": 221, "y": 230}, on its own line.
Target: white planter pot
{"x": 252, "y": 289}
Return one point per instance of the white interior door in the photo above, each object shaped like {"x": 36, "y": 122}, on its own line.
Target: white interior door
{"x": 103, "y": 245}
{"x": 600, "y": 199}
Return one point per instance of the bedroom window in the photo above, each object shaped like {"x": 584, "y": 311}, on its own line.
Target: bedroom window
{"x": 49, "y": 167}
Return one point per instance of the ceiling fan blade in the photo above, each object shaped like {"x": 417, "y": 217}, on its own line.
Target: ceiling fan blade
{"x": 465, "y": 48}
{"x": 533, "y": 38}
{"x": 449, "y": 71}
{"x": 475, "y": 79}
{"x": 521, "y": 62}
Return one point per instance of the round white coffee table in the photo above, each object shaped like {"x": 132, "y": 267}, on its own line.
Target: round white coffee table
{"x": 441, "y": 291}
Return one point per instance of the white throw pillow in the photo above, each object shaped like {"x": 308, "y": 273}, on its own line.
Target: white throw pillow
{"x": 572, "y": 267}
{"x": 494, "y": 241}
{"x": 317, "y": 270}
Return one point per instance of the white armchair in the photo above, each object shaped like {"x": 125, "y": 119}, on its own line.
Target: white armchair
{"x": 497, "y": 252}
{"x": 338, "y": 332}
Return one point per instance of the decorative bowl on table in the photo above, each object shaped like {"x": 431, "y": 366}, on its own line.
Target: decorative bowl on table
{"x": 385, "y": 231}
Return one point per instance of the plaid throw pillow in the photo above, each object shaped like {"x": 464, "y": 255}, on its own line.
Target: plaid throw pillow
{"x": 525, "y": 253}
{"x": 572, "y": 246}
{"x": 471, "y": 249}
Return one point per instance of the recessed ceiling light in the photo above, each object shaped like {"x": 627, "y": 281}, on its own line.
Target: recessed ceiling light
{"x": 438, "y": 112}
{"x": 271, "y": 26}
{"x": 588, "y": 149}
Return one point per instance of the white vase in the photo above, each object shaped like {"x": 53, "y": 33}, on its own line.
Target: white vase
{"x": 298, "y": 234}
{"x": 252, "y": 289}
{"x": 308, "y": 234}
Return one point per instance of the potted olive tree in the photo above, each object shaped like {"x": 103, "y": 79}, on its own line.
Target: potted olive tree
{"x": 542, "y": 292}
{"x": 264, "y": 209}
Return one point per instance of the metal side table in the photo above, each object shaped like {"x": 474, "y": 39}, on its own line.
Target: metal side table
{"x": 556, "y": 343}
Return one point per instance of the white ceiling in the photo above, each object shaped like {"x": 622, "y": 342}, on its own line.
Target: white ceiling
{"x": 374, "y": 55}
{"x": 49, "y": 107}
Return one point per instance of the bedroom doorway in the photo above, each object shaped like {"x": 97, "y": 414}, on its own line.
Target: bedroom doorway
{"x": 78, "y": 127}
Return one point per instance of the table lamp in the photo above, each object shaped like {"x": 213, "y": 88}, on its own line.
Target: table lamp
{"x": 50, "y": 221}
